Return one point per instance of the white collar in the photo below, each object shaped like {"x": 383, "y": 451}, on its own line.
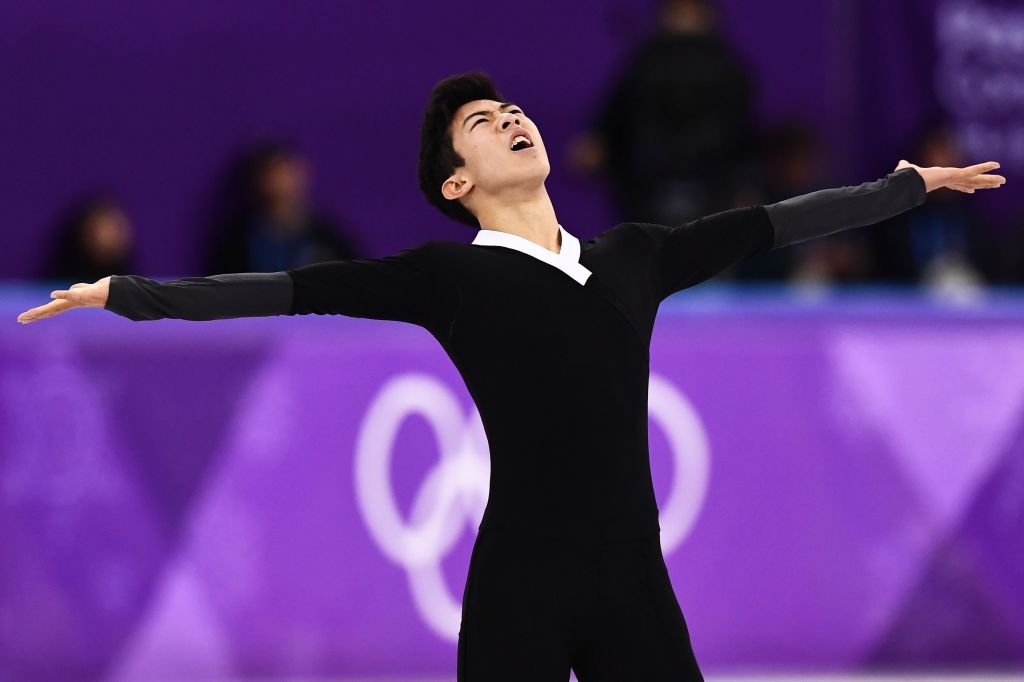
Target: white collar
{"x": 567, "y": 259}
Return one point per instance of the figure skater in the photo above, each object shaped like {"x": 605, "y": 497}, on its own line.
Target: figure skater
{"x": 551, "y": 335}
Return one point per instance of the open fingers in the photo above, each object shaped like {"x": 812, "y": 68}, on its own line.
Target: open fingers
{"x": 968, "y": 184}
{"x": 987, "y": 181}
{"x": 68, "y": 294}
{"x": 43, "y": 311}
{"x": 980, "y": 168}
{"x": 978, "y": 182}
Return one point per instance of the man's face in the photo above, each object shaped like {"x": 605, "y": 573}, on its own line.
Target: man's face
{"x": 284, "y": 182}
{"x": 486, "y": 133}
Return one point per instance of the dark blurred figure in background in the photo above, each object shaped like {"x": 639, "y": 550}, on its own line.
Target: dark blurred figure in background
{"x": 939, "y": 244}
{"x": 792, "y": 162}
{"x": 677, "y": 128}
{"x": 93, "y": 239}
{"x": 266, "y": 222}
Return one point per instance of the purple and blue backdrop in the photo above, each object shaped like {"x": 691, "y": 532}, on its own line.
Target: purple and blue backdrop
{"x": 151, "y": 99}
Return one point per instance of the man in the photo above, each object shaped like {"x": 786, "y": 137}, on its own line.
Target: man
{"x": 551, "y": 335}
{"x": 272, "y": 224}
{"x": 675, "y": 133}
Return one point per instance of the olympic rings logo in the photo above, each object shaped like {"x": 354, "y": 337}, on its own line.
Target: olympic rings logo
{"x": 454, "y": 493}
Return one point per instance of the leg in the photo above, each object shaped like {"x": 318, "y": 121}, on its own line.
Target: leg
{"x": 638, "y": 630}
{"x": 513, "y": 624}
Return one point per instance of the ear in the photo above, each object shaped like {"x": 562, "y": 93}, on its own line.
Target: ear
{"x": 456, "y": 187}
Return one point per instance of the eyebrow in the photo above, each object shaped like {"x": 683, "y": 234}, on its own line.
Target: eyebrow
{"x": 503, "y": 105}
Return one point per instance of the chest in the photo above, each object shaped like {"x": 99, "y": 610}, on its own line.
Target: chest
{"x": 513, "y": 303}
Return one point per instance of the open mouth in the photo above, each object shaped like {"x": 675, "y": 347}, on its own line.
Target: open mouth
{"x": 521, "y": 142}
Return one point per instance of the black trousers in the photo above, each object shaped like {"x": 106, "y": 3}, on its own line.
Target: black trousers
{"x": 534, "y": 608}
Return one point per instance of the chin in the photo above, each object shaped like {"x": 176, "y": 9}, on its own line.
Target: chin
{"x": 541, "y": 169}
{"x": 537, "y": 176}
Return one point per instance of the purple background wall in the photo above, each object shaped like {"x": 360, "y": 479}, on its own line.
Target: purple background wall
{"x": 150, "y": 98}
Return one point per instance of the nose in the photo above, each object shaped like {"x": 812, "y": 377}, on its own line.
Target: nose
{"x": 506, "y": 121}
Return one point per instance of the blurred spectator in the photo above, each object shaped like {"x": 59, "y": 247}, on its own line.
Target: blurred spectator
{"x": 791, "y": 164}
{"x": 677, "y": 126}
{"x": 842, "y": 258}
{"x": 942, "y": 243}
{"x": 94, "y": 239}
{"x": 267, "y": 223}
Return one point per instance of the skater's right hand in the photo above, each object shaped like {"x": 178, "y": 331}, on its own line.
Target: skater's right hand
{"x": 965, "y": 180}
{"x": 80, "y": 295}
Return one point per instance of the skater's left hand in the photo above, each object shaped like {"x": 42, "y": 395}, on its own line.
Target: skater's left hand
{"x": 961, "y": 179}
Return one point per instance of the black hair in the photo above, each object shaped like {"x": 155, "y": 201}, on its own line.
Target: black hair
{"x": 438, "y": 158}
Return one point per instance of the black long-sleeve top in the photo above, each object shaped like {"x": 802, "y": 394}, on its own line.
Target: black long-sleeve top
{"x": 556, "y": 359}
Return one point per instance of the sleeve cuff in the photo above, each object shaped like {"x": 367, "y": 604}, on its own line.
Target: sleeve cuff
{"x": 114, "y": 295}
{"x": 919, "y": 193}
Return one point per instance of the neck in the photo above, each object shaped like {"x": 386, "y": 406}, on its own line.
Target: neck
{"x": 528, "y": 214}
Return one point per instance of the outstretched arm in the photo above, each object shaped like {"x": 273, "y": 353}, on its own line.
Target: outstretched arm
{"x": 691, "y": 253}
{"x": 831, "y": 210}
{"x": 245, "y": 294}
{"x": 397, "y": 287}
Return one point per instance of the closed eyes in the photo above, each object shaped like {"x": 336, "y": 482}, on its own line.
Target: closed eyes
{"x": 482, "y": 119}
